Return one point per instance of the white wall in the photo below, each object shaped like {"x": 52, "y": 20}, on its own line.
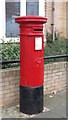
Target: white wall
{"x": 2, "y": 19}
{"x": 41, "y": 7}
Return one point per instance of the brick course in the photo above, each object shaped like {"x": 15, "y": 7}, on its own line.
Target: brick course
{"x": 55, "y": 75}
{"x": 59, "y": 16}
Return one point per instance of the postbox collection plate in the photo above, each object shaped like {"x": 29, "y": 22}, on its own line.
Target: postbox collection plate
{"x": 38, "y": 43}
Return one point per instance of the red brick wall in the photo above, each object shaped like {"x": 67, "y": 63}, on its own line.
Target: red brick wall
{"x": 54, "y": 80}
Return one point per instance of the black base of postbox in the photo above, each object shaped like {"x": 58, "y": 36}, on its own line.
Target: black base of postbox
{"x": 31, "y": 100}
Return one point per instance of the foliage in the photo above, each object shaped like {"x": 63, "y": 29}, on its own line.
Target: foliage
{"x": 57, "y": 47}
{"x": 49, "y": 37}
{"x": 11, "y": 50}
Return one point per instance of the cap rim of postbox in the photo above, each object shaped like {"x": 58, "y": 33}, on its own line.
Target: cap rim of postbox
{"x": 32, "y": 19}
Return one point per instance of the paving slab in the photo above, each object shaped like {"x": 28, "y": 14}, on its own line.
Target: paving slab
{"x": 53, "y": 101}
{"x": 54, "y": 107}
{"x": 60, "y": 110}
{"x": 49, "y": 114}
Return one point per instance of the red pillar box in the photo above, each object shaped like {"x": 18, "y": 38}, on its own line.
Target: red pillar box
{"x": 31, "y": 63}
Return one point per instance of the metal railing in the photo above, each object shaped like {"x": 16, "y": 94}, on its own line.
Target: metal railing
{"x": 46, "y": 57}
{"x": 56, "y": 56}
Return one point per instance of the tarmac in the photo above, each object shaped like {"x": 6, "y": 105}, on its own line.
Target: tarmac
{"x": 54, "y": 107}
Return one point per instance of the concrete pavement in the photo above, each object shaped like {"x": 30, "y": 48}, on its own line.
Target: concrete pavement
{"x": 54, "y": 107}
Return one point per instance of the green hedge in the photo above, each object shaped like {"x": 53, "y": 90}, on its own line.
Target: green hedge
{"x": 11, "y": 51}
{"x": 57, "y": 47}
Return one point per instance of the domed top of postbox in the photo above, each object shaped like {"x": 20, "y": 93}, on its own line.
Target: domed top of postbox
{"x": 31, "y": 19}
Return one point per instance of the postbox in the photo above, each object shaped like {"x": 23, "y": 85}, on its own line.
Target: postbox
{"x": 31, "y": 63}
